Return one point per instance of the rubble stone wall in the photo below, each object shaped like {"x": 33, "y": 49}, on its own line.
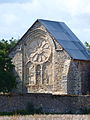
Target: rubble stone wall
{"x": 49, "y": 103}
{"x": 78, "y": 77}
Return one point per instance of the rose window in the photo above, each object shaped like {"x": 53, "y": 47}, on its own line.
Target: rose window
{"x": 39, "y": 51}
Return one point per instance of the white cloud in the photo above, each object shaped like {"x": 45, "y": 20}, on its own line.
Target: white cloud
{"x": 16, "y": 17}
{"x": 9, "y": 19}
{"x": 14, "y": 1}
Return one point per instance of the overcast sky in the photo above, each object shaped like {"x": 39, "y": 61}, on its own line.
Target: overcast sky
{"x": 16, "y": 16}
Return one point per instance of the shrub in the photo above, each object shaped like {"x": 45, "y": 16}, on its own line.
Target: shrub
{"x": 30, "y": 108}
{"x": 33, "y": 110}
{"x": 85, "y": 111}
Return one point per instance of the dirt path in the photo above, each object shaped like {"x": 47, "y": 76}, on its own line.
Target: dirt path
{"x": 46, "y": 117}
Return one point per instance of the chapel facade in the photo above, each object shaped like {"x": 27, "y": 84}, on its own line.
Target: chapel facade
{"x": 49, "y": 58}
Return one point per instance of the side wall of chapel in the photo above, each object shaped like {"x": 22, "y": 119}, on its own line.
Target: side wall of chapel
{"x": 79, "y": 77}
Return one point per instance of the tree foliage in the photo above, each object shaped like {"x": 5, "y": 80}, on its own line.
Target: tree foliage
{"x": 87, "y": 46}
{"x": 7, "y": 79}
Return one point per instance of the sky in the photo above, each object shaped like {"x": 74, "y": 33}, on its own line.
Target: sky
{"x": 16, "y": 16}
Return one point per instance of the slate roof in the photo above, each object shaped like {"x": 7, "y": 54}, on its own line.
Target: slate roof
{"x": 67, "y": 39}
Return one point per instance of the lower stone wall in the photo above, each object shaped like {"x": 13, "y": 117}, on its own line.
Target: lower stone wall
{"x": 49, "y": 103}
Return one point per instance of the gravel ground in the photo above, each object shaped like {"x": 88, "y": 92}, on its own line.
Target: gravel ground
{"x": 46, "y": 117}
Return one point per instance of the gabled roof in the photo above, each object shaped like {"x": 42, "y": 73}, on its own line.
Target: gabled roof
{"x": 67, "y": 39}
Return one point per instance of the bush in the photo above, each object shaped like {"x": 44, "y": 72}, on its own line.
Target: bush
{"x": 39, "y": 110}
{"x": 85, "y": 111}
{"x": 32, "y": 110}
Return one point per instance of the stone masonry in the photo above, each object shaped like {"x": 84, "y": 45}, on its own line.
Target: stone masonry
{"x": 49, "y": 103}
{"x": 43, "y": 66}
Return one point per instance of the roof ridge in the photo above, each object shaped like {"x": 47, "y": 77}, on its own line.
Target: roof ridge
{"x": 49, "y": 20}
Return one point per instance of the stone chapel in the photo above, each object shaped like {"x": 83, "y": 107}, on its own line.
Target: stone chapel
{"x": 49, "y": 58}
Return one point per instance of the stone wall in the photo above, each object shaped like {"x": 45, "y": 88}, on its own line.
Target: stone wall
{"x": 38, "y": 62}
{"x": 16, "y": 54}
{"x": 49, "y": 103}
{"x": 61, "y": 67}
{"x": 78, "y": 77}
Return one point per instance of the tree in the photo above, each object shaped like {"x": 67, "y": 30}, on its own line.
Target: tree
{"x": 7, "y": 78}
{"x": 87, "y": 45}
